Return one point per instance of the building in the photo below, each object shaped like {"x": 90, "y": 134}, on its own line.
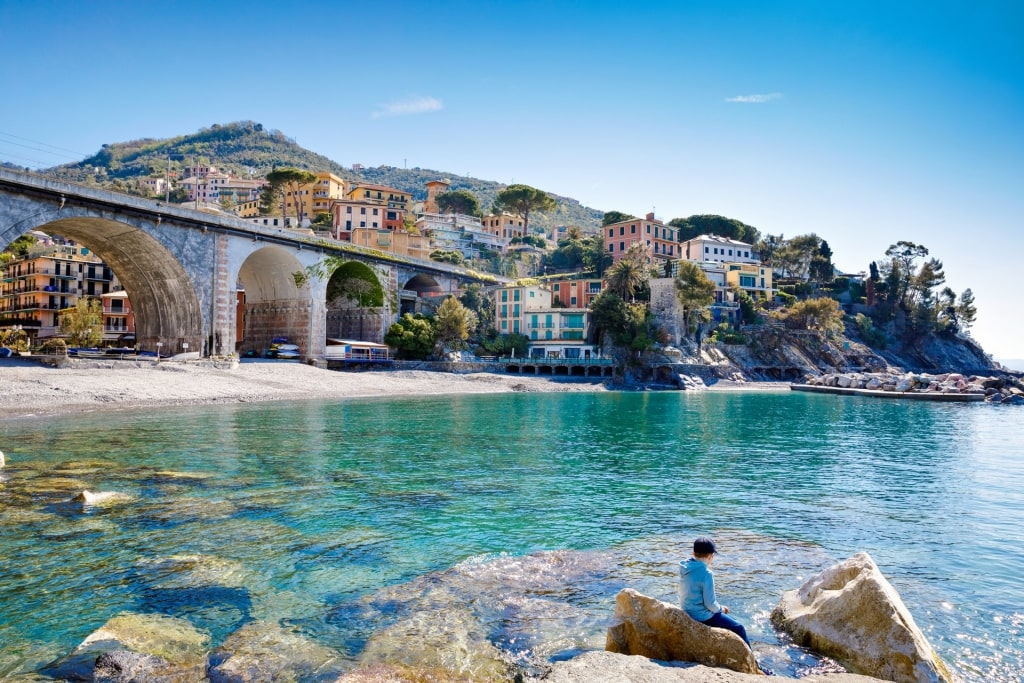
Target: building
{"x": 552, "y": 332}
{"x": 52, "y": 276}
{"x": 314, "y": 198}
{"x": 398, "y": 242}
{"x": 753, "y": 278}
{"x": 461, "y": 233}
{"x": 348, "y": 215}
{"x": 391, "y": 204}
{"x": 118, "y": 319}
{"x": 660, "y": 239}
{"x": 718, "y": 249}
{"x": 435, "y": 188}
{"x": 504, "y": 225}
{"x": 574, "y": 293}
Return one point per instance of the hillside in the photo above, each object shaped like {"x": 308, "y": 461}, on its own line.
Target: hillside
{"x": 246, "y": 148}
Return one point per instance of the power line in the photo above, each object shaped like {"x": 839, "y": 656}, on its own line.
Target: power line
{"x": 44, "y": 144}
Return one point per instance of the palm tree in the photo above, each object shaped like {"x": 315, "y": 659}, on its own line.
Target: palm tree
{"x": 627, "y": 276}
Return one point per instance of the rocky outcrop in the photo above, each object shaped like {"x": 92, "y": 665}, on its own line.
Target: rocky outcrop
{"x": 851, "y": 613}
{"x": 655, "y": 629}
{"x": 261, "y": 652}
{"x": 151, "y": 647}
{"x": 614, "y": 668}
{"x": 993, "y": 389}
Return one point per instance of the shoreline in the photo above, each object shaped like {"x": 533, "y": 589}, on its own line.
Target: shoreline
{"x": 30, "y": 390}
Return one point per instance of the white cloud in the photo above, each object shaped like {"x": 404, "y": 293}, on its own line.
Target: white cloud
{"x": 755, "y": 99}
{"x": 413, "y": 105}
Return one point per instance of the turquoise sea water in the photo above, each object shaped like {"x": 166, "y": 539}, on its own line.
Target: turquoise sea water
{"x": 521, "y": 514}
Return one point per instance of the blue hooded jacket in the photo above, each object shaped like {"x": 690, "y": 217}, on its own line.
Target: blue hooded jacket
{"x": 697, "y": 590}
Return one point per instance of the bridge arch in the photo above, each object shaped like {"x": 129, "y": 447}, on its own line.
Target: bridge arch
{"x": 355, "y": 303}
{"x": 417, "y": 288}
{"x": 163, "y": 296}
{"x": 274, "y": 300}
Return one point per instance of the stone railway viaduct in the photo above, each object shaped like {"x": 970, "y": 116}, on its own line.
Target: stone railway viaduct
{"x": 183, "y": 270}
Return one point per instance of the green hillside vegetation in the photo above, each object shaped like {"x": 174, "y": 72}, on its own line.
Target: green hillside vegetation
{"x": 246, "y": 147}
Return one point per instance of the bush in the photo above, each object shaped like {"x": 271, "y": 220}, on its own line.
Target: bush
{"x": 54, "y": 346}
{"x": 874, "y": 337}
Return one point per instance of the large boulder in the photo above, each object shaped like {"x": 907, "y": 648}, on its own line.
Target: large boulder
{"x": 261, "y": 652}
{"x": 169, "y": 650}
{"x": 851, "y": 613}
{"x": 657, "y": 630}
{"x": 101, "y": 498}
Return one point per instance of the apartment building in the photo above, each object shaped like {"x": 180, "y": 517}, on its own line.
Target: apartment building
{"x": 552, "y": 332}
{"x": 52, "y": 276}
{"x": 718, "y": 249}
{"x": 570, "y": 293}
{"x": 461, "y": 233}
{"x": 118, "y": 318}
{"x": 504, "y": 225}
{"x": 316, "y": 197}
{"x": 660, "y": 239}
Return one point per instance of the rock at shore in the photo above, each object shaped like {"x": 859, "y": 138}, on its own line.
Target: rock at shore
{"x": 851, "y": 613}
{"x": 262, "y": 652}
{"x": 151, "y": 647}
{"x": 657, "y": 630}
{"x": 615, "y": 668}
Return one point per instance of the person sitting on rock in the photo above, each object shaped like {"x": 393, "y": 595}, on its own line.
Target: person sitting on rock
{"x": 697, "y": 590}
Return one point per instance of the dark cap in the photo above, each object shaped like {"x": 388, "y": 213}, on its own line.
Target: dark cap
{"x": 704, "y": 546}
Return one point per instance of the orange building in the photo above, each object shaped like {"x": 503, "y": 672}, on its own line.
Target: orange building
{"x": 575, "y": 293}
{"x": 661, "y": 240}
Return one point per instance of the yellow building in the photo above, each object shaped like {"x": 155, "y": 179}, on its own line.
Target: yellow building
{"x": 504, "y": 225}
{"x": 753, "y": 278}
{"x": 397, "y": 242}
{"x": 315, "y": 197}
{"x": 552, "y": 332}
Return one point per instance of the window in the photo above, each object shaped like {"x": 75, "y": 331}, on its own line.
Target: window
{"x": 611, "y": 232}
{"x": 730, "y": 252}
{"x": 707, "y": 250}
{"x": 362, "y": 224}
{"x": 504, "y": 311}
{"x": 504, "y": 324}
{"x": 533, "y": 320}
{"x": 747, "y": 281}
{"x": 548, "y": 334}
{"x": 556, "y": 286}
{"x": 375, "y": 212}
{"x": 515, "y": 312}
{"x": 648, "y": 230}
{"x": 515, "y": 295}
{"x": 622, "y": 246}
{"x": 611, "y": 248}
{"x": 572, "y": 301}
{"x": 515, "y": 326}
{"x": 632, "y": 229}
{"x": 363, "y": 210}
{"x": 622, "y": 229}
{"x": 504, "y": 295}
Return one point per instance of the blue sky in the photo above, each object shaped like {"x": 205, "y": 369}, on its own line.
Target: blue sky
{"x": 865, "y": 122}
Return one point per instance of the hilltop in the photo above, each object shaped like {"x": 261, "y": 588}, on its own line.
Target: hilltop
{"x": 247, "y": 148}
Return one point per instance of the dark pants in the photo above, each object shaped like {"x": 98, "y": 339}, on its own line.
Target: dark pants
{"x": 722, "y": 620}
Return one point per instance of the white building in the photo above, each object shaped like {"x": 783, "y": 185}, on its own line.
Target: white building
{"x": 458, "y": 232}
{"x": 718, "y": 249}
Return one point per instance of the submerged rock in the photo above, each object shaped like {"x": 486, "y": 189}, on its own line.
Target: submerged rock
{"x": 262, "y": 652}
{"x": 450, "y": 639}
{"x": 172, "y": 650}
{"x": 101, "y": 498}
{"x": 851, "y": 613}
{"x": 655, "y": 629}
{"x": 615, "y": 668}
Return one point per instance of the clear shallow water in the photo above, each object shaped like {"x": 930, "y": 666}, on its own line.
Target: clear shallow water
{"x": 521, "y": 515}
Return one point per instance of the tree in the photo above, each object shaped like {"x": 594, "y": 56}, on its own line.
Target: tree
{"x": 694, "y": 292}
{"x": 82, "y": 324}
{"x": 821, "y": 270}
{"x": 15, "y": 339}
{"x": 966, "y": 310}
{"x": 413, "y": 336}
{"x": 20, "y": 246}
{"x": 453, "y": 323}
{"x": 521, "y": 200}
{"x": 615, "y": 217}
{"x": 458, "y": 201}
{"x": 476, "y": 300}
{"x": 795, "y": 255}
{"x": 821, "y": 314}
{"x": 596, "y": 256}
{"x": 630, "y": 273}
{"x": 280, "y": 182}
{"x": 710, "y": 224}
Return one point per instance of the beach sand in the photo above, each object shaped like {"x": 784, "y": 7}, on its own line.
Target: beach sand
{"x": 29, "y": 389}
